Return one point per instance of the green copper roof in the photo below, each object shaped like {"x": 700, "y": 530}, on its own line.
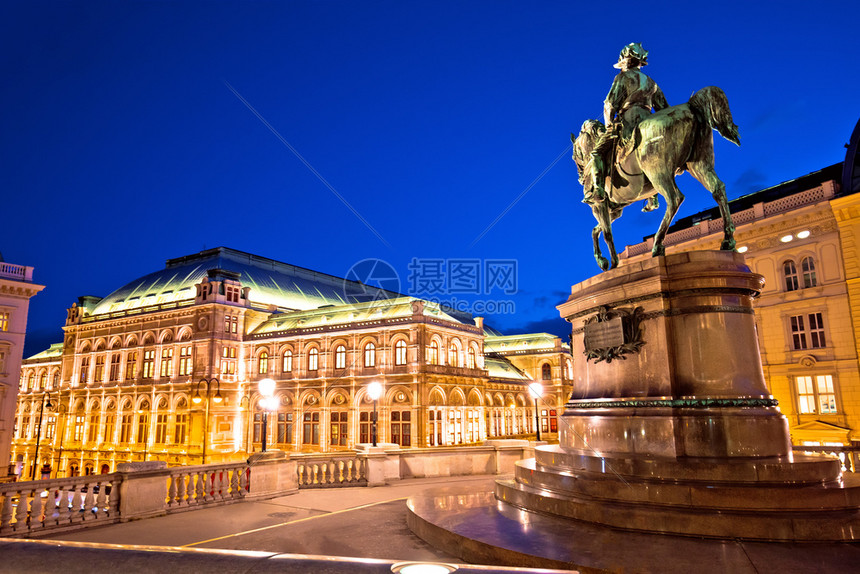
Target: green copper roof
{"x": 271, "y": 282}
{"x": 500, "y": 368}
{"x": 351, "y": 313}
{"x": 527, "y": 342}
{"x": 52, "y": 352}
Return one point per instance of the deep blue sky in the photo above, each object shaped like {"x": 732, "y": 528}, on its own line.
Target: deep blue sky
{"x": 122, "y": 145}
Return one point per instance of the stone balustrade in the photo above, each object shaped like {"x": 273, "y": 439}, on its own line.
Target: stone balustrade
{"x": 849, "y": 455}
{"x": 29, "y": 507}
{"x": 331, "y": 470}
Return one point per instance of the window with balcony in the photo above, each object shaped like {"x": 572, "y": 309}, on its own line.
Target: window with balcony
{"x": 816, "y": 394}
{"x": 807, "y": 331}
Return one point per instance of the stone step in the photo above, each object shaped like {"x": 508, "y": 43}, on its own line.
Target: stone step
{"x": 795, "y": 469}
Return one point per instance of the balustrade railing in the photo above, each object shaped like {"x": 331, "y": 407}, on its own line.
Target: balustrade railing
{"x": 331, "y": 470}
{"x": 196, "y": 485}
{"x": 27, "y": 507}
{"x": 849, "y": 455}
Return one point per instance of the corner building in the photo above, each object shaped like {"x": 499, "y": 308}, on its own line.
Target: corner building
{"x": 803, "y": 236}
{"x": 167, "y": 368}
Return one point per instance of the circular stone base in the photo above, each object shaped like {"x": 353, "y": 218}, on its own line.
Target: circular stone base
{"x": 480, "y": 529}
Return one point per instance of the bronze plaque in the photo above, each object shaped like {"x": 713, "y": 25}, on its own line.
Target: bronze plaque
{"x": 604, "y": 335}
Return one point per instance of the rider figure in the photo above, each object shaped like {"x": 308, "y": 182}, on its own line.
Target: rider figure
{"x": 630, "y": 100}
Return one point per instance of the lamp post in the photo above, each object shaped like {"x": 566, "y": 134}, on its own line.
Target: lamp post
{"x": 267, "y": 389}
{"x": 374, "y": 391}
{"x": 197, "y": 399}
{"x": 39, "y": 433}
{"x": 536, "y": 390}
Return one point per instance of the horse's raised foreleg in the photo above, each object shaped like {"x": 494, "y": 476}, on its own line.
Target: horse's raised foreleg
{"x": 708, "y": 177}
{"x": 664, "y": 183}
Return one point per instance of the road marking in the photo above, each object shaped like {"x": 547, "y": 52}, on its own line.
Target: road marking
{"x": 293, "y": 521}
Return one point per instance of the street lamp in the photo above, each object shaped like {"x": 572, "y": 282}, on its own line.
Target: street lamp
{"x": 536, "y": 390}
{"x": 267, "y": 389}
{"x": 374, "y": 391}
{"x": 39, "y": 433}
{"x": 197, "y": 399}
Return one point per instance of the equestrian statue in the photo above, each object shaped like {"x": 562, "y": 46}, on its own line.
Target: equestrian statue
{"x": 636, "y": 154}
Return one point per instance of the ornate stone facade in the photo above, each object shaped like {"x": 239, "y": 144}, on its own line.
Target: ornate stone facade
{"x": 167, "y": 368}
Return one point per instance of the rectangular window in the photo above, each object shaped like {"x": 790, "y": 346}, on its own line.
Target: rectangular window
{"x": 811, "y": 337}
{"x": 50, "y": 429}
{"x": 816, "y": 395}
{"x": 93, "y": 434}
{"x": 4, "y": 321}
{"x": 167, "y": 363}
{"x": 85, "y": 370}
{"x": 99, "y": 374}
{"x": 285, "y": 428}
{"x": 231, "y": 323}
{"x": 228, "y": 361}
{"x": 25, "y": 427}
{"x": 148, "y": 364}
{"x": 339, "y": 428}
{"x": 180, "y": 429}
{"x": 114, "y": 367}
{"x": 401, "y": 429}
{"x": 288, "y": 362}
{"x": 161, "y": 428}
{"x": 258, "y": 427}
{"x": 364, "y": 427}
{"x": 131, "y": 366}
{"x": 79, "y": 428}
{"x": 125, "y": 429}
{"x": 311, "y": 428}
{"x": 110, "y": 424}
{"x": 143, "y": 428}
{"x": 185, "y": 361}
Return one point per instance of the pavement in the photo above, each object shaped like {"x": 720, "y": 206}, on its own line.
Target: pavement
{"x": 360, "y": 522}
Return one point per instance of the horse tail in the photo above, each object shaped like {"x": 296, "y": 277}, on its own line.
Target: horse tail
{"x": 712, "y": 104}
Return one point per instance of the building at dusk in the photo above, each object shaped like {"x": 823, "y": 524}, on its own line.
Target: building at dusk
{"x": 803, "y": 236}
{"x": 16, "y": 289}
{"x": 167, "y": 368}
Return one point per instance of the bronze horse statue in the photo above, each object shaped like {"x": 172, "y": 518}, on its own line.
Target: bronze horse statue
{"x": 667, "y": 143}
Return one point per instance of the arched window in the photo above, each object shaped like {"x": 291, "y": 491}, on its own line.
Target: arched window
{"x": 370, "y": 355}
{"x": 31, "y": 381}
{"x": 313, "y": 359}
{"x": 43, "y": 381}
{"x": 471, "y": 358}
{"x": 287, "y": 363}
{"x": 340, "y": 357}
{"x": 546, "y": 372}
{"x": 433, "y": 353}
{"x": 453, "y": 355}
{"x": 264, "y": 363}
{"x": 400, "y": 352}
{"x": 807, "y": 266}
{"x": 789, "y": 271}
{"x": 56, "y": 380}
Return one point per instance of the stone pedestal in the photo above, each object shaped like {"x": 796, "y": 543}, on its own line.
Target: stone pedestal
{"x": 670, "y": 427}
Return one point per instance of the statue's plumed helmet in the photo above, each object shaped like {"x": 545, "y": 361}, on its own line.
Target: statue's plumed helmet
{"x": 633, "y": 51}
